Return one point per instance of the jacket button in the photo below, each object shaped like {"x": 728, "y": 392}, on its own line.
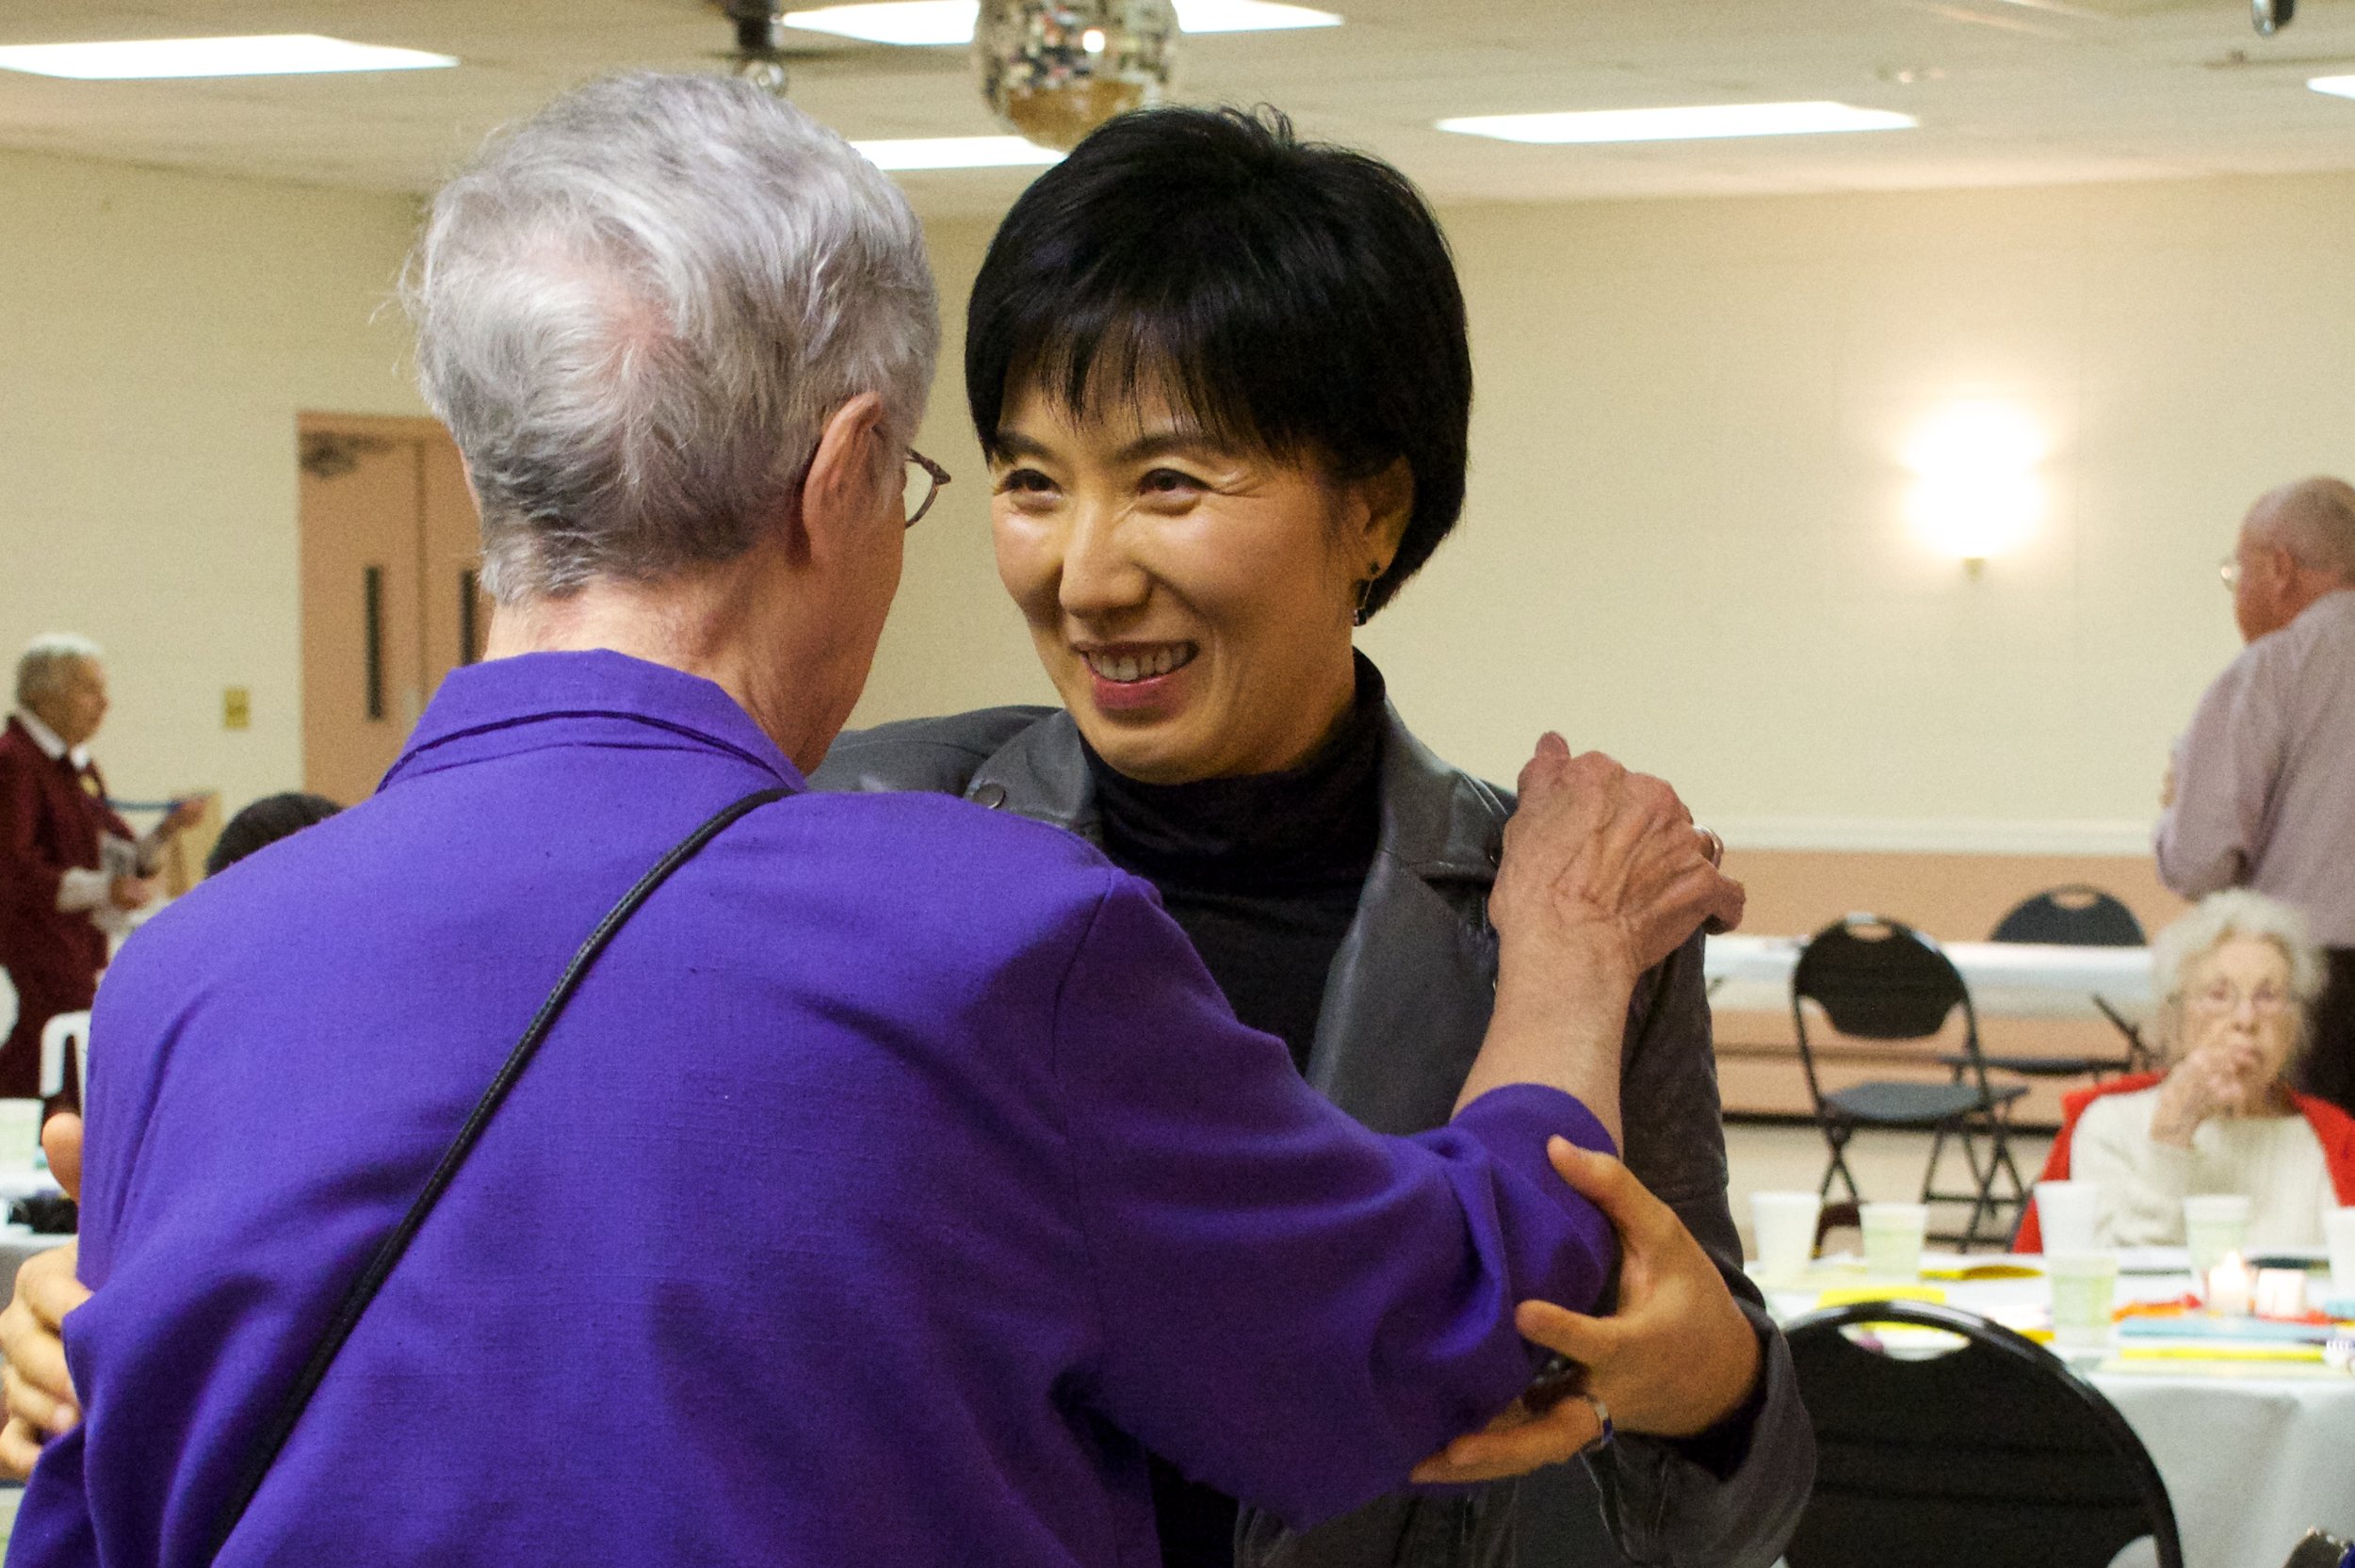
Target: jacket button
{"x": 990, "y": 795}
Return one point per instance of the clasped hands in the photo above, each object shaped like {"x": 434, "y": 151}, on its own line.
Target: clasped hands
{"x": 1604, "y": 877}
{"x": 1674, "y": 1359}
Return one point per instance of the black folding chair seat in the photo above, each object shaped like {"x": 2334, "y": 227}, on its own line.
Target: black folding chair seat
{"x": 2072, "y": 915}
{"x": 1878, "y": 979}
{"x": 1993, "y": 1455}
{"x": 1916, "y": 1106}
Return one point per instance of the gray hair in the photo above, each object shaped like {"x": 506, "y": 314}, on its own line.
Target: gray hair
{"x": 48, "y": 660}
{"x": 636, "y": 311}
{"x": 2313, "y": 520}
{"x": 2214, "y": 920}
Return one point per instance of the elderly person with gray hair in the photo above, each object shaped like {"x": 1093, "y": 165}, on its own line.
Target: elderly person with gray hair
{"x": 2261, "y": 793}
{"x": 854, "y": 1197}
{"x": 2236, "y": 979}
{"x": 71, "y": 869}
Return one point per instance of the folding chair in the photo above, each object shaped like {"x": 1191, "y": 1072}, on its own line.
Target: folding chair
{"x": 1991, "y": 1455}
{"x": 2072, "y": 915}
{"x": 1877, "y": 980}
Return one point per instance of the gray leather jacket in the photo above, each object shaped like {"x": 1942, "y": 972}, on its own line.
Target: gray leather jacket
{"x": 1406, "y": 1005}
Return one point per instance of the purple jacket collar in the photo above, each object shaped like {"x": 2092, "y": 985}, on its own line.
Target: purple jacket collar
{"x": 502, "y": 706}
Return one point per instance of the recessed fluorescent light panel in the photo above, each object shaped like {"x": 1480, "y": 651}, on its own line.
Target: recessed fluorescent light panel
{"x": 2337, "y": 86}
{"x": 1248, "y": 16}
{"x": 1697, "y": 123}
{"x": 266, "y": 55}
{"x": 956, "y": 153}
{"x": 935, "y": 21}
{"x": 904, "y": 22}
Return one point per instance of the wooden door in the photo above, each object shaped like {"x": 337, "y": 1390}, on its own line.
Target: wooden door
{"x": 389, "y": 598}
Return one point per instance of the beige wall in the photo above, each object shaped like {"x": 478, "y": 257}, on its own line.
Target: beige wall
{"x": 1685, "y": 543}
{"x": 158, "y": 334}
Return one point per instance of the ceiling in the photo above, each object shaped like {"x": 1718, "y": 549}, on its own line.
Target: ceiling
{"x": 2007, "y": 91}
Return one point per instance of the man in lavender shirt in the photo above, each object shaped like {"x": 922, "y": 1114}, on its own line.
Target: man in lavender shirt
{"x": 898, "y": 1172}
{"x": 2262, "y": 791}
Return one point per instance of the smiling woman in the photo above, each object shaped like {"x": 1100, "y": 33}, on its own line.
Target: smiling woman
{"x": 1224, "y": 382}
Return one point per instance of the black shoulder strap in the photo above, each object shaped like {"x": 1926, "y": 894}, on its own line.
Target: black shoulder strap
{"x": 389, "y": 1255}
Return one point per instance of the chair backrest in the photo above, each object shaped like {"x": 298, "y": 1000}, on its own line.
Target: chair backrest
{"x": 2074, "y": 915}
{"x": 65, "y": 1036}
{"x": 1991, "y": 1455}
{"x": 1878, "y": 979}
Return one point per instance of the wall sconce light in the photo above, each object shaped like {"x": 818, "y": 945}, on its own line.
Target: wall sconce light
{"x": 1975, "y": 491}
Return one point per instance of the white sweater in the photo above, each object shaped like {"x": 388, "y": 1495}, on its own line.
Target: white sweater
{"x": 2276, "y": 1160}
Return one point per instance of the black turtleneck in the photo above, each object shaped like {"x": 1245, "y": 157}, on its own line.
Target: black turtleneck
{"x": 1262, "y": 874}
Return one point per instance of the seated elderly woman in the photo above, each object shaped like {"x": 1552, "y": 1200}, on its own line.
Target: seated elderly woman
{"x": 2235, "y": 977}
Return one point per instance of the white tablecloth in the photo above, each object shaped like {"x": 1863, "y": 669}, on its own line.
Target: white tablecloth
{"x": 2007, "y": 980}
{"x": 2253, "y": 1455}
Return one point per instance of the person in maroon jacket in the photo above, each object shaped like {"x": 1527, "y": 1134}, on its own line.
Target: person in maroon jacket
{"x": 71, "y": 869}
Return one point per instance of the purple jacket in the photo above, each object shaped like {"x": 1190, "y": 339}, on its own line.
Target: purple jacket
{"x": 894, "y": 1175}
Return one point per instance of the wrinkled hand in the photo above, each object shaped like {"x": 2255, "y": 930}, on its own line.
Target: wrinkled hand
{"x": 39, "y": 1389}
{"x": 1603, "y": 861}
{"x": 2210, "y": 1081}
{"x": 1675, "y": 1359}
{"x": 130, "y": 893}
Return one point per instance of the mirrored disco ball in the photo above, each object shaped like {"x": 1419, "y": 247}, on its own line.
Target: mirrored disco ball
{"x": 1054, "y": 70}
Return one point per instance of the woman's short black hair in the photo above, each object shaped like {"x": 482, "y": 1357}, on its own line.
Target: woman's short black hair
{"x": 265, "y": 822}
{"x": 1293, "y": 298}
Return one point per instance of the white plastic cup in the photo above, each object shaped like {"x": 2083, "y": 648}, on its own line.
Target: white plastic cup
{"x": 2084, "y": 1287}
{"x": 2338, "y": 1234}
{"x": 2066, "y": 1211}
{"x": 2215, "y": 1225}
{"x": 1893, "y": 1239}
{"x": 20, "y": 1133}
{"x": 1784, "y": 1224}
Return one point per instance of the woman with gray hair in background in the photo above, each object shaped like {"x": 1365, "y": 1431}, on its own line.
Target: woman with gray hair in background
{"x": 2235, "y": 977}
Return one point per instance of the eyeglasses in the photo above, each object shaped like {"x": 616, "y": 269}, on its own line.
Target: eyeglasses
{"x": 2223, "y": 996}
{"x": 921, "y": 485}
{"x": 2229, "y": 569}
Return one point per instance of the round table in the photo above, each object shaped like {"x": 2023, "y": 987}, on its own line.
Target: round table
{"x": 2253, "y": 1454}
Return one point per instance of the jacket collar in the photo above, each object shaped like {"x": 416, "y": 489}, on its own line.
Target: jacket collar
{"x": 1416, "y": 961}
{"x": 1437, "y": 821}
{"x": 52, "y": 745}
{"x": 502, "y": 706}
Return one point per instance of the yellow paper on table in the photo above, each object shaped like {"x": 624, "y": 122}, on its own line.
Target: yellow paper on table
{"x": 2212, "y": 1350}
{"x": 1848, "y": 1295}
{"x": 1984, "y": 1271}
